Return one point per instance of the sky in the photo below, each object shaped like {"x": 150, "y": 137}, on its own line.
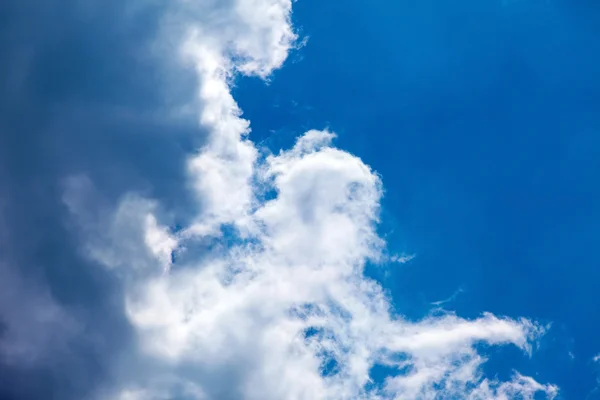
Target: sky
{"x": 275, "y": 199}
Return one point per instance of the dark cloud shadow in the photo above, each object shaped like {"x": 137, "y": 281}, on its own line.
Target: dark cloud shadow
{"x": 81, "y": 92}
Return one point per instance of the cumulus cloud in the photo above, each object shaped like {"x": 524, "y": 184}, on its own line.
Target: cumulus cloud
{"x": 277, "y": 306}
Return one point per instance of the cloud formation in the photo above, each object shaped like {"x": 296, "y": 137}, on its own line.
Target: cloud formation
{"x": 259, "y": 292}
{"x": 277, "y": 306}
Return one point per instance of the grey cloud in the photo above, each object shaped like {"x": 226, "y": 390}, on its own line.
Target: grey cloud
{"x": 80, "y": 94}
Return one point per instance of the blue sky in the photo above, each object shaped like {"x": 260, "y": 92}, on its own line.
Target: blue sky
{"x": 483, "y": 121}
{"x": 128, "y": 194}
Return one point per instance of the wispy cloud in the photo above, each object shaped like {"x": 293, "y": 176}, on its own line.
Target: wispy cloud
{"x": 402, "y": 258}
{"x": 449, "y": 299}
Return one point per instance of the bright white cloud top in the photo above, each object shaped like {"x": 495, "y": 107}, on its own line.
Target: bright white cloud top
{"x": 279, "y": 308}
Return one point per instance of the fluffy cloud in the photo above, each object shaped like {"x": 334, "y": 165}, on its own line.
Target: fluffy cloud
{"x": 277, "y": 306}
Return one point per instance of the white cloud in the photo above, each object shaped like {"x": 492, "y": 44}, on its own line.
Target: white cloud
{"x": 402, "y": 258}
{"x": 220, "y": 39}
{"x": 284, "y": 312}
{"x": 453, "y": 297}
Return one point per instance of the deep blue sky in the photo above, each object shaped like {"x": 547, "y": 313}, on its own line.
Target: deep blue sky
{"x": 483, "y": 119}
